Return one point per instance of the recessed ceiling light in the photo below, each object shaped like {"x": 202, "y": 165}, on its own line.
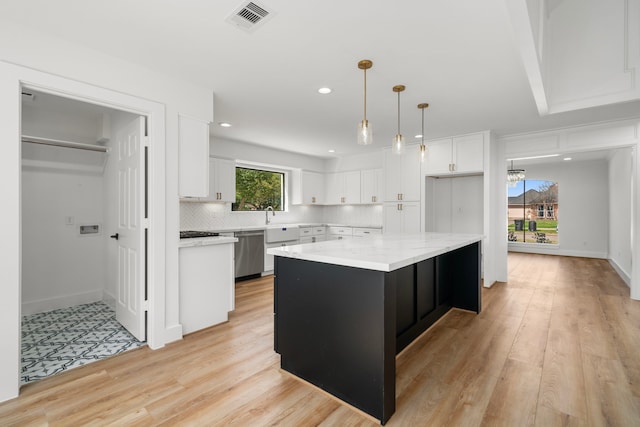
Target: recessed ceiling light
{"x": 324, "y": 90}
{"x": 418, "y": 136}
{"x": 225, "y": 124}
{"x": 567, "y": 158}
{"x": 332, "y": 151}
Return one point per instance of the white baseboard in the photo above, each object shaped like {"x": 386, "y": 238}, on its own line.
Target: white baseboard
{"x": 543, "y": 249}
{"x": 623, "y": 274}
{"x": 48, "y": 304}
{"x": 173, "y": 333}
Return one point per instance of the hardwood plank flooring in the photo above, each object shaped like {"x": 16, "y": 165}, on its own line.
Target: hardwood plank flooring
{"x": 559, "y": 344}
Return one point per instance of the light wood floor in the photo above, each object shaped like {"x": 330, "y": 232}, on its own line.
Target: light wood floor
{"x": 559, "y": 344}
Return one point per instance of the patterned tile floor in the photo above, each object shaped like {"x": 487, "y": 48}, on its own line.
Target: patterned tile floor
{"x": 59, "y": 340}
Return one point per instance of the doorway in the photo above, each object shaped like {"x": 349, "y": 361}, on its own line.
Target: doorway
{"x": 83, "y": 182}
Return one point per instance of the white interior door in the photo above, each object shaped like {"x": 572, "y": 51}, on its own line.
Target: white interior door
{"x": 130, "y": 237}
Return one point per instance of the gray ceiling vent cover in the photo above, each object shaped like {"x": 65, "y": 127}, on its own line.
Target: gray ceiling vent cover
{"x": 250, "y": 15}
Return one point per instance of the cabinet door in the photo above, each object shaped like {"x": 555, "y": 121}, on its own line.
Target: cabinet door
{"x": 438, "y": 159}
{"x": 392, "y": 218}
{"x": 392, "y": 176}
{"x": 226, "y": 180}
{"x": 410, "y": 217}
{"x": 193, "y": 157}
{"x": 371, "y": 184}
{"x": 212, "y": 195}
{"x": 351, "y": 189}
{"x": 410, "y": 175}
{"x": 333, "y": 188}
{"x": 312, "y": 188}
{"x": 468, "y": 153}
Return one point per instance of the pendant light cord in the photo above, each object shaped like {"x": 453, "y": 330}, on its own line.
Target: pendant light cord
{"x": 365, "y": 94}
{"x": 422, "y": 126}
{"x": 398, "y": 113}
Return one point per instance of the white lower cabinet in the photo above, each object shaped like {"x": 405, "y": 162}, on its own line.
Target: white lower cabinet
{"x": 207, "y": 285}
{"x": 402, "y": 217}
{"x": 365, "y": 231}
{"x": 268, "y": 259}
{"x": 339, "y": 233}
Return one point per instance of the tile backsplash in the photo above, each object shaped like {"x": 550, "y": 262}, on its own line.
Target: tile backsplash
{"x": 217, "y": 216}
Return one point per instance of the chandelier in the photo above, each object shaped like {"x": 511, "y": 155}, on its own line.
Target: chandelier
{"x": 514, "y": 175}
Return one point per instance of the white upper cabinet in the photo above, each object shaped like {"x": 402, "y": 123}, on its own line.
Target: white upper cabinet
{"x": 371, "y": 186}
{"x": 193, "y": 157}
{"x": 308, "y": 188}
{"x": 457, "y": 155}
{"x": 222, "y": 181}
{"x": 343, "y": 188}
{"x": 402, "y": 175}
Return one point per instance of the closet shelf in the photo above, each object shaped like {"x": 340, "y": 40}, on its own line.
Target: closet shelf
{"x": 64, "y": 144}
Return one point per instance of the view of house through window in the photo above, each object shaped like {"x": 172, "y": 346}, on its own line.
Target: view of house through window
{"x": 533, "y": 212}
{"x": 258, "y": 189}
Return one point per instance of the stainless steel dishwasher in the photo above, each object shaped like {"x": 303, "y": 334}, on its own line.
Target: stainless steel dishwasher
{"x": 249, "y": 253}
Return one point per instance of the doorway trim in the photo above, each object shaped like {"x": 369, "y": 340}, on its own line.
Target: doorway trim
{"x": 12, "y": 79}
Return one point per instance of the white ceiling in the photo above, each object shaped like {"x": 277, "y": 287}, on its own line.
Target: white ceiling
{"x": 459, "y": 56}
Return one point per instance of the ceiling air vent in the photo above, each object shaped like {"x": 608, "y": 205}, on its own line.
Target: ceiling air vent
{"x": 249, "y": 16}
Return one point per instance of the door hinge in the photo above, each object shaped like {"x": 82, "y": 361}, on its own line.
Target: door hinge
{"x": 145, "y": 305}
{"x": 145, "y": 141}
{"x": 145, "y": 222}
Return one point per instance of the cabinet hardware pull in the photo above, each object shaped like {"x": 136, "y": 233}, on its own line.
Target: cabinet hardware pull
{"x": 115, "y": 236}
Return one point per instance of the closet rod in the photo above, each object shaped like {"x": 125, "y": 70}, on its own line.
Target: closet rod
{"x": 65, "y": 144}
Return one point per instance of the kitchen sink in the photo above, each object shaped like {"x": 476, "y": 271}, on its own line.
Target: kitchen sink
{"x": 281, "y": 233}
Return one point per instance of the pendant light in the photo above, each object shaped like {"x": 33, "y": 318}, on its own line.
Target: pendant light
{"x": 423, "y": 148}
{"x": 365, "y": 133}
{"x": 398, "y": 140}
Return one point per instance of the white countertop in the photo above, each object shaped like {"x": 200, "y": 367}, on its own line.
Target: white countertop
{"x": 288, "y": 224}
{"x": 206, "y": 241}
{"x": 386, "y": 252}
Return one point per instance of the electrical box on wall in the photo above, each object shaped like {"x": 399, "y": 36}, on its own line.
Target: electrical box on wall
{"x": 89, "y": 230}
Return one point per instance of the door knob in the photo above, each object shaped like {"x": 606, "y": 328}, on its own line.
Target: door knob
{"x": 114, "y": 236}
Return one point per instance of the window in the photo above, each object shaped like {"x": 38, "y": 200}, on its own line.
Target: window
{"x": 256, "y": 189}
{"x": 533, "y": 212}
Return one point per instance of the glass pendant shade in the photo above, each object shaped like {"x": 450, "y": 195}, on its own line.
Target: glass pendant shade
{"x": 365, "y": 133}
{"x": 398, "y": 144}
{"x": 423, "y": 148}
{"x": 398, "y": 141}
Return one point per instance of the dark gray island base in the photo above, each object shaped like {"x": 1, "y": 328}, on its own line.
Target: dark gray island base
{"x": 340, "y": 327}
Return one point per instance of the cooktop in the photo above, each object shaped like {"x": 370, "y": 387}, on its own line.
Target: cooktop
{"x": 190, "y": 234}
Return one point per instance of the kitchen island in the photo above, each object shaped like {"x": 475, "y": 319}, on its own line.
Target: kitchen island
{"x": 344, "y": 309}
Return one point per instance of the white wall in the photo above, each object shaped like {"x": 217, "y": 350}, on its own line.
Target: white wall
{"x": 620, "y": 197}
{"x": 60, "y": 267}
{"x": 583, "y": 199}
{"x": 243, "y": 151}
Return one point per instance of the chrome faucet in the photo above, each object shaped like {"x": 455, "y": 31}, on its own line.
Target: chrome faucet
{"x": 266, "y": 214}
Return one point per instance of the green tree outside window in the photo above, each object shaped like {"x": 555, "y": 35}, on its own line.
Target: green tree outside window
{"x": 256, "y": 189}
